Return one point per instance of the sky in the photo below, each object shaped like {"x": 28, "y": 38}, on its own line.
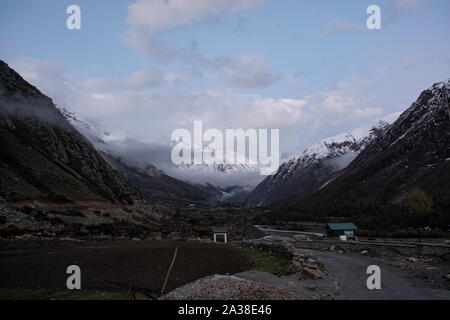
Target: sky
{"x": 309, "y": 68}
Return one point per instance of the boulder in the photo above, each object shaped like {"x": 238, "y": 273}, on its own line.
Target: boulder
{"x": 312, "y": 273}
{"x": 301, "y": 237}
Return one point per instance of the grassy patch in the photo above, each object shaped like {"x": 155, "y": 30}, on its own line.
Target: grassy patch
{"x": 266, "y": 262}
{"x": 55, "y": 294}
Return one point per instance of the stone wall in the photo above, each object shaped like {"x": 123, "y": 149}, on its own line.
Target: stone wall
{"x": 349, "y": 246}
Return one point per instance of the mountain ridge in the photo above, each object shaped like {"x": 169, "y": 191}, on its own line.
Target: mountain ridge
{"x": 406, "y": 167}
{"x": 306, "y": 173}
{"x": 43, "y": 156}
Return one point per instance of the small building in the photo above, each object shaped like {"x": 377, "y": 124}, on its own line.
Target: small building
{"x": 220, "y": 232}
{"x": 334, "y": 230}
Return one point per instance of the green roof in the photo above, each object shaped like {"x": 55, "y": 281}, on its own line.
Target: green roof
{"x": 341, "y": 226}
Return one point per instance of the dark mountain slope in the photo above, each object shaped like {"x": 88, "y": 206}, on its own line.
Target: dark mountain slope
{"x": 305, "y": 174}
{"x": 414, "y": 153}
{"x": 157, "y": 184}
{"x": 42, "y": 156}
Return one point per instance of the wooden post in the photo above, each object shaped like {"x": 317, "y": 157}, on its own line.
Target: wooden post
{"x": 168, "y": 272}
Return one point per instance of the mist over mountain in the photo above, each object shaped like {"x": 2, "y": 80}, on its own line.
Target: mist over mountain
{"x": 401, "y": 178}
{"x": 43, "y": 156}
{"x": 304, "y": 174}
{"x": 141, "y": 155}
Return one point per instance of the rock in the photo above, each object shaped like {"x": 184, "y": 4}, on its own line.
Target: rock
{"x": 332, "y": 248}
{"x": 295, "y": 267}
{"x": 447, "y": 276}
{"x": 312, "y": 273}
{"x": 312, "y": 265}
{"x": 70, "y": 239}
{"x": 279, "y": 239}
{"x": 300, "y": 258}
{"x": 300, "y": 237}
{"x": 412, "y": 259}
{"x": 174, "y": 236}
{"x": 311, "y": 260}
{"x": 221, "y": 287}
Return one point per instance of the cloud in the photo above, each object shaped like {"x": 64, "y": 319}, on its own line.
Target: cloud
{"x": 403, "y": 7}
{"x": 248, "y": 71}
{"x": 280, "y": 113}
{"x": 242, "y": 25}
{"x": 391, "y": 14}
{"x": 147, "y": 18}
{"x": 50, "y": 77}
{"x": 144, "y": 79}
{"x": 127, "y": 109}
{"x": 257, "y": 80}
{"x": 243, "y": 65}
{"x": 341, "y": 105}
{"x": 156, "y": 16}
{"x": 336, "y": 26}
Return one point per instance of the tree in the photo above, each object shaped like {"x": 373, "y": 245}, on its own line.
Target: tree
{"x": 418, "y": 202}
{"x": 420, "y": 207}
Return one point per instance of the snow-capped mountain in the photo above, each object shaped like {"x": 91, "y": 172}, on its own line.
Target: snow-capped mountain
{"x": 242, "y": 163}
{"x": 305, "y": 173}
{"x": 118, "y": 151}
{"x": 143, "y": 156}
{"x": 412, "y": 155}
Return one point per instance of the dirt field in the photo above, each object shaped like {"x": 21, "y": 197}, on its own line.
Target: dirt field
{"x": 114, "y": 265}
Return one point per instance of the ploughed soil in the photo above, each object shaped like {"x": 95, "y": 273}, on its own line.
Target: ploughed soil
{"x": 115, "y": 265}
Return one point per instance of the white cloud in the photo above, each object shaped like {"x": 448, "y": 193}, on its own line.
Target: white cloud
{"x": 156, "y": 16}
{"x": 147, "y": 18}
{"x": 257, "y": 80}
{"x": 248, "y": 71}
{"x": 341, "y": 105}
{"x": 277, "y": 113}
{"x": 244, "y": 64}
{"x": 125, "y": 108}
{"x": 407, "y": 6}
{"x": 403, "y": 7}
{"x": 144, "y": 79}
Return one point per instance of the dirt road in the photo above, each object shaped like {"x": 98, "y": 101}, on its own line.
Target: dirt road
{"x": 350, "y": 272}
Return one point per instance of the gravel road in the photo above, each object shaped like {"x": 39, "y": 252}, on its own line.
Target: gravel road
{"x": 350, "y": 271}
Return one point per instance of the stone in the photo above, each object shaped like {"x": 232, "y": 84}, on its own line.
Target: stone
{"x": 300, "y": 237}
{"x": 312, "y": 273}
{"x": 312, "y": 265}
{"x": 311, "y": 260}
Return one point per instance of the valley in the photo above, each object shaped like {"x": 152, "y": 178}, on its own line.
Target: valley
{"x": 71, "y": 193}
